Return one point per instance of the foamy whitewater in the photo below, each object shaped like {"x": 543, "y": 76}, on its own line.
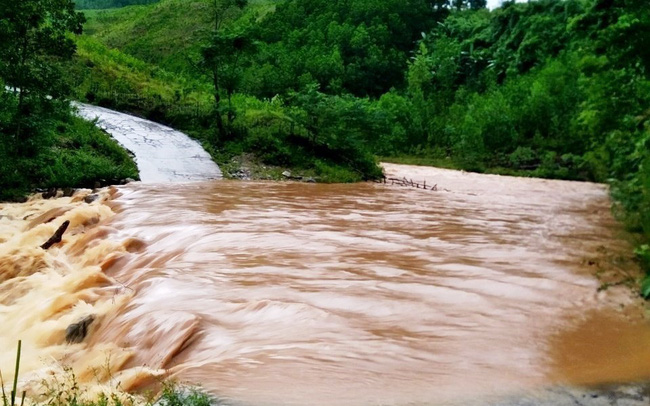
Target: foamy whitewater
{"x": 42, "y": 292}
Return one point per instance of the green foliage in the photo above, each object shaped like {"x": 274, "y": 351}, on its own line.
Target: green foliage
{"x": 41, "y": 143}
{"x": 34, "y": 40}
{"x": 169, "y": 33}
{"x": 222, "y": 56}
{"x": 33, "y": 37}
{"x": 70, "y": 152}
{"x": 645, "y": 288}
{"x": 337, "y": 127}
{"x": 357, "y": 46}
{"x": 174, "y": 395}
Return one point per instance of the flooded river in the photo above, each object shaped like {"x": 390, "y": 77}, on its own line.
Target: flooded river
{"x": 365, "y": 294}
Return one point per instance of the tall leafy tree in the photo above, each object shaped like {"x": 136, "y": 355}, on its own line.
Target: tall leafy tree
{"x": 221, "y": 57}
{"x": 34, "y": 40}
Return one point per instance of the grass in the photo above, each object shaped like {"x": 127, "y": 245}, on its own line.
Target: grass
{"x": 168, "y": 34}
{"x": 11, "y": 401}
{"x": 66, "y": 391}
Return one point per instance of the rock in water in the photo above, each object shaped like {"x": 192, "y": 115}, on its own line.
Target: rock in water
{"x": 50, "y": 193}
{"x": 76, "y": 332}
{"x": 91, "y": 198}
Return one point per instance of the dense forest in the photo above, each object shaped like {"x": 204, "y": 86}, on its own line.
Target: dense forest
{"x": 548, "y": 88}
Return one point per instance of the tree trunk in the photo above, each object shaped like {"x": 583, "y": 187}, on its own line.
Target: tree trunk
{"x": 231, "y": 114}
{"x": 21, "y": 87}
{"x": 57, "y": 237}
{"x": 217, "y": 105}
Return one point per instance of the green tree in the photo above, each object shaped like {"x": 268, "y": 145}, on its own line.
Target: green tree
{"x": 221, "y": 57}
{"x": 34, "y": 40}
{"x": 359, "y": 47}
{"x": 472, "y": 4}
{"x": 337, "y": 128}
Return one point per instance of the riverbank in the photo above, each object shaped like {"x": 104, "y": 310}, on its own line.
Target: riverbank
{"x": 631, "y": 394}
{"x": 637, "y": 235}
{"x": 559, "y": 170}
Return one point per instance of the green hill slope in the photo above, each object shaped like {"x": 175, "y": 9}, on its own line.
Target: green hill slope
{"x": 169, "y": 33}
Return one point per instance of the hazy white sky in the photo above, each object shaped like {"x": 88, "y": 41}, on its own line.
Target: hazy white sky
{"x": 497, "y": 3}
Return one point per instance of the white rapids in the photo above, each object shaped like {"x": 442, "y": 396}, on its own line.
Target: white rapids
{"x": 162, "y": 154}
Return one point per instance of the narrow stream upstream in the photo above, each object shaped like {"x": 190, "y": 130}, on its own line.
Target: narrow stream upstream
{"x": 161, "y": 153}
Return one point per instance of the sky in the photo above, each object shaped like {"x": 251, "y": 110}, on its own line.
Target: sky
{"x": 497, "y": 3}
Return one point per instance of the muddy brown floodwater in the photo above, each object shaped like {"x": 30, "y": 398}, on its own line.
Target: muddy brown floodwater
{"x": 368, "y": 294}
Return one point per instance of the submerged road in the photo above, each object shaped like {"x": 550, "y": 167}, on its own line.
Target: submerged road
{"x": 162, "y": 154}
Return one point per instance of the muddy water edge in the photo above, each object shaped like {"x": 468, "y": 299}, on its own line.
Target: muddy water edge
{"x": 296, "y": 294}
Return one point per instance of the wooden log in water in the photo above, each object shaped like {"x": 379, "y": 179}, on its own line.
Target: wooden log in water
{"x": 56, "y": 238}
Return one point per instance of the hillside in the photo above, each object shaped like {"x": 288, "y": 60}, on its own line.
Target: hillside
{"x": 169, "y": 33}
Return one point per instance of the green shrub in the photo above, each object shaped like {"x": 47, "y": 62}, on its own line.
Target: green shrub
{"x": 71, "y": 153}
